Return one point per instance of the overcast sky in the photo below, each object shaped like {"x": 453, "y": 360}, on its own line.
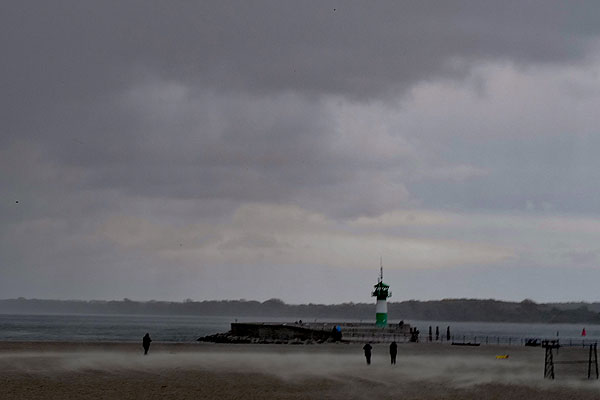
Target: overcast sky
{"x": 254, "y": 149}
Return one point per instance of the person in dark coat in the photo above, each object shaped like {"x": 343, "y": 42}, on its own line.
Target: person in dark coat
{"x": 367, "y": 348}
{"x": 393, "y": 352}
{"x": 336, "y": 333}
{"x": 146, "y": 343}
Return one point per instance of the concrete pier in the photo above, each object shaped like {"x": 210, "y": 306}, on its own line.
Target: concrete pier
{"x": 319, "y": 332}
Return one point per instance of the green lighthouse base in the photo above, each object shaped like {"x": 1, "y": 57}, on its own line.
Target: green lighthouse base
{"x": 381, "y": 319}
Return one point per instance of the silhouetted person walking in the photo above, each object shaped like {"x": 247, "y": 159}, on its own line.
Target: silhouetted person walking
{"x": 437, "y": 333}
{"x": 393, "y": 352}
{"x": 448, "y": 334}
{"x": 146, "y": 343}
{"x": 367, "y": 348}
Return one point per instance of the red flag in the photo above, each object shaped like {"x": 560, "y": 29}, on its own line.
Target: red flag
{"x": 583, "y": 332}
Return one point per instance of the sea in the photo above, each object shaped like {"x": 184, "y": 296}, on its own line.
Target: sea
{"x": 182, "y": 329}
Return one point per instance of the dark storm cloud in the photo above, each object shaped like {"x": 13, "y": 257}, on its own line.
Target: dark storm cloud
{"x": 243, "y": 82}
{"x": 72, "y": 51}
{"x": 181, "y": 112}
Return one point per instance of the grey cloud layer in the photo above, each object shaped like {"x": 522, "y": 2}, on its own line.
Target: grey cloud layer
{"x": 70, "y": 51}
{"x": 180, "y": 113}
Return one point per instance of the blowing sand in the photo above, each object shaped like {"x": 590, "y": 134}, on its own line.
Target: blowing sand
{"x": 336, "y": 371}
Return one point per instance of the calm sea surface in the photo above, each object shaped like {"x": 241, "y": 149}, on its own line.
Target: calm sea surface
{"x": 130, "y": 328}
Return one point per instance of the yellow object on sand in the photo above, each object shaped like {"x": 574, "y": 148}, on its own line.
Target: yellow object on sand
{"x": 502, "y": 356}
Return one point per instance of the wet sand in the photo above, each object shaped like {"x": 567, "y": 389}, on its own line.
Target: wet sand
{"x": 333, "y": 371}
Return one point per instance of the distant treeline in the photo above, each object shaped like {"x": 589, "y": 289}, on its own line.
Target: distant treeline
{"x": 440, "y": 310}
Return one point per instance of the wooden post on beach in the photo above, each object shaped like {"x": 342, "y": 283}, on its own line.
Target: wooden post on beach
{"x": 593, "y": 358}
{"x": 549, "y": 364}
{"x": 590, "y": 363}
{"x": 596, "y": 358}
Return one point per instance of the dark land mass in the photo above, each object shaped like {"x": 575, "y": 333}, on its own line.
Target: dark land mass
{"x": 440, "y": 310}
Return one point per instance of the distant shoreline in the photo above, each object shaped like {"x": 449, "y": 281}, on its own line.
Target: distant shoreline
{"x": 452, "y": 310}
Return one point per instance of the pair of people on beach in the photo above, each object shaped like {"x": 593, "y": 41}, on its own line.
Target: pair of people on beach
{"x": 393, "y": 352}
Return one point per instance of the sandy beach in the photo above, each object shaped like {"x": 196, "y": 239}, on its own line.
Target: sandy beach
{"x": 334, "y": 371}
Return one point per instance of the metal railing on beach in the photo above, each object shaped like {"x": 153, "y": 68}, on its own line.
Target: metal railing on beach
{"x": 511, "y": 340}
{"x": 377, "y": 337}
{"x": 364, "y": 332}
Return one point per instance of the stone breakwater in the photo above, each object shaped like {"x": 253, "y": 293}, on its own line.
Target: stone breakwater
{"x": 309, "y": 333}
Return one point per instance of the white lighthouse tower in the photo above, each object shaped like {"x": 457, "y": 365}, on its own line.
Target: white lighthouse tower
{"x": 382, "y": 293}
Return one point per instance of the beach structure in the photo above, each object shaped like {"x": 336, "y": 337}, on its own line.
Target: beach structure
{"x": 320, "y": 332}
{"x": 381, "y": 292}
{"x": 311, "y": 332}
{"x": 549, "y": 362}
